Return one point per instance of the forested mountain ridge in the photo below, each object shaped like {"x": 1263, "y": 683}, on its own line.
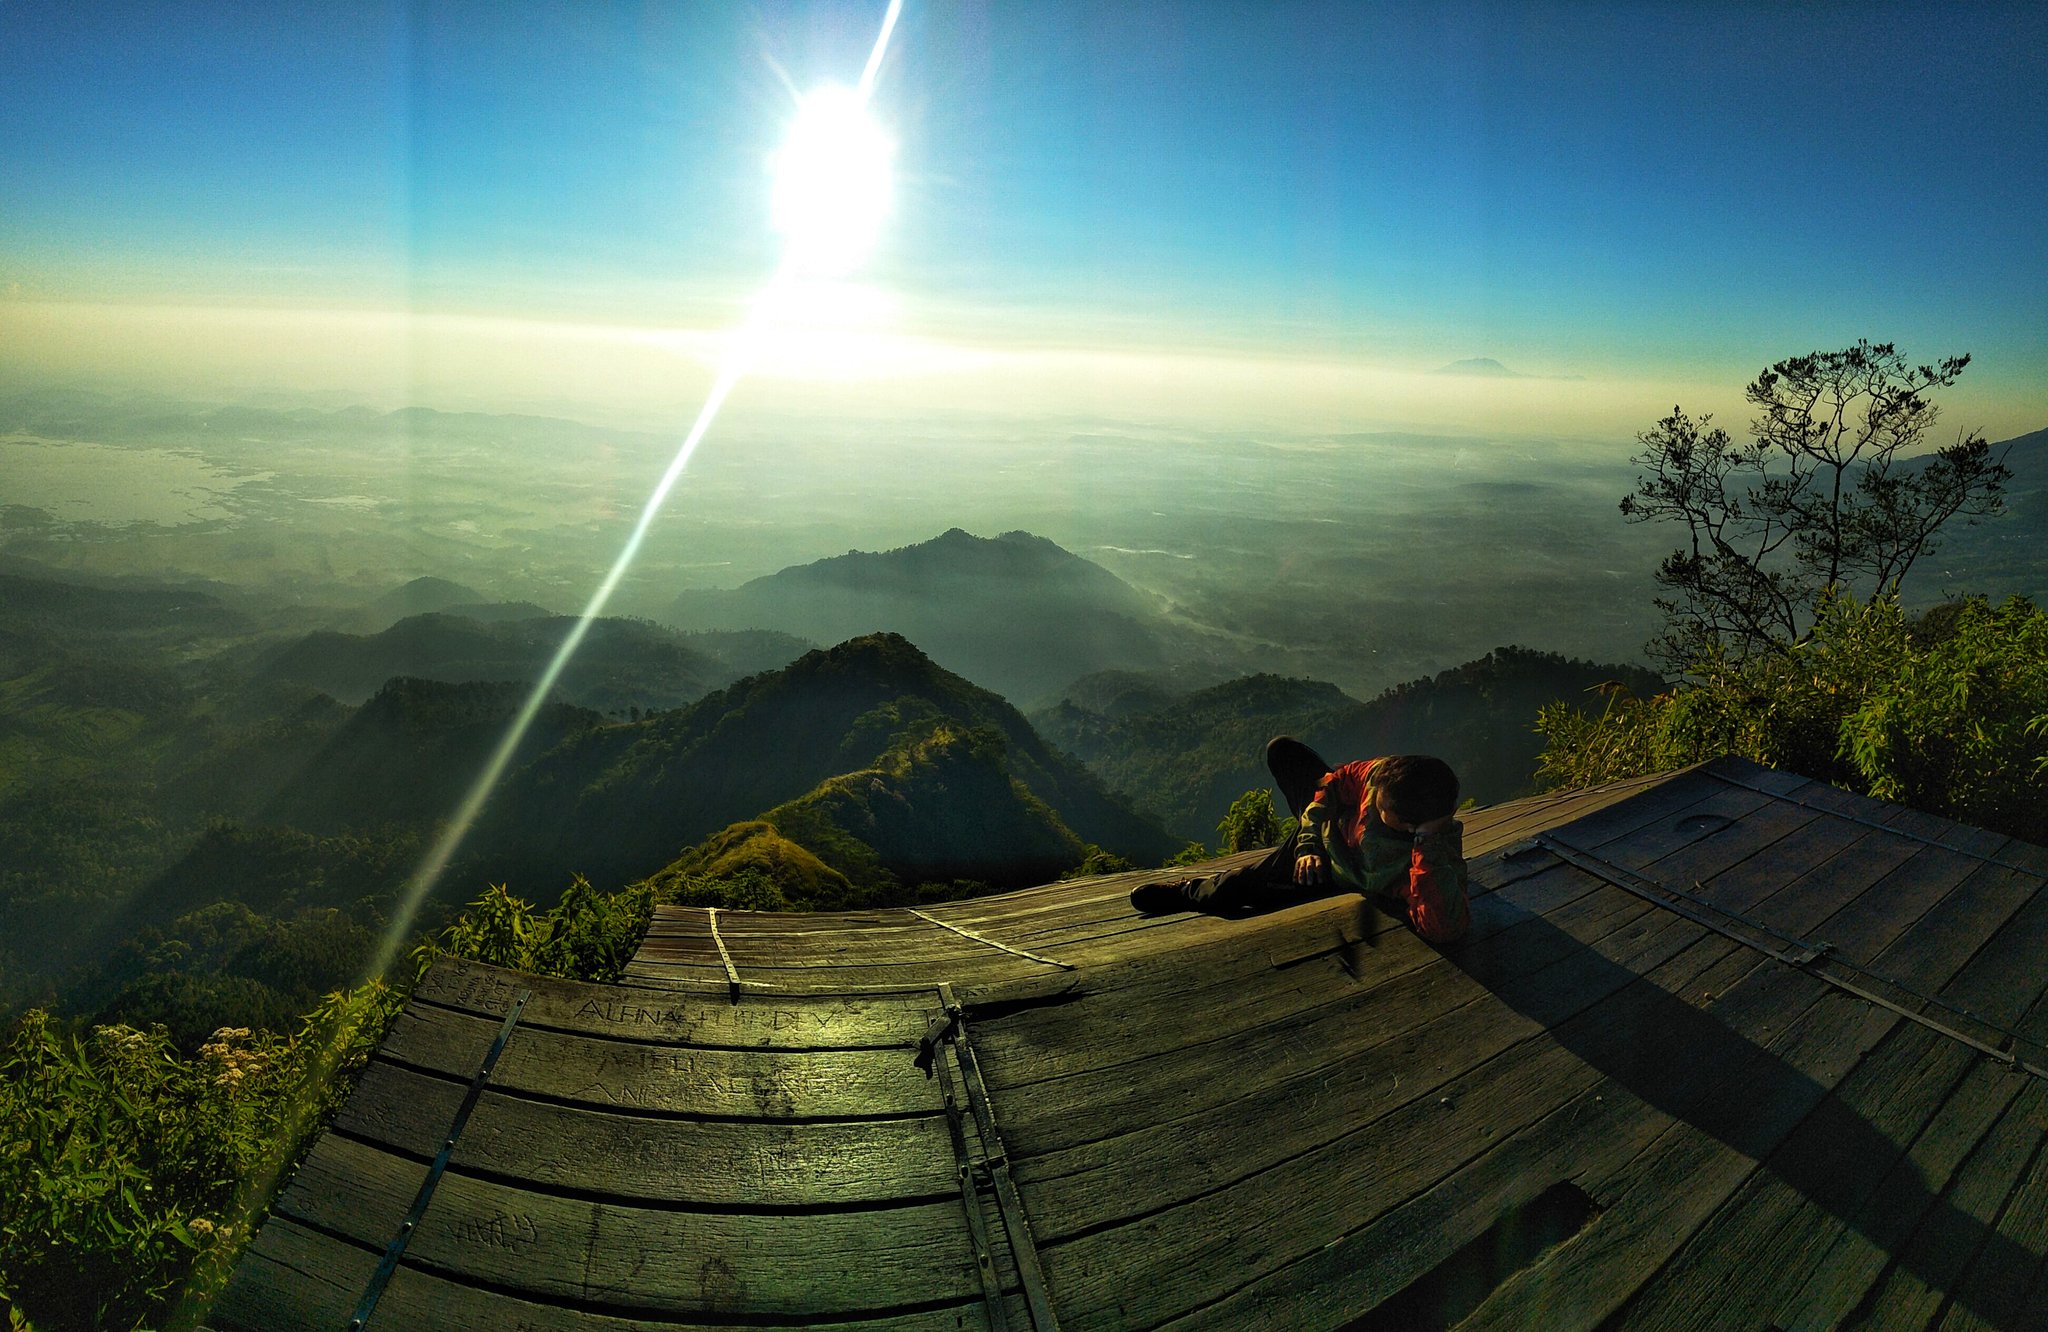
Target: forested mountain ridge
{"x": 1015, "y": 613}
{"x": 936, "y": 816}
{"x": 620, "y": 802}
{"x": 1186, "y": 759}
{"x": 621, "y": 664}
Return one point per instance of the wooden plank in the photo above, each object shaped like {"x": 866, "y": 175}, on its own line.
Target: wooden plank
{"x": 1901, "y": 895}
{"x": 1931, "y": 1263}
{"x": 1520, "y": 821}
{"x": 1165, "y": 1010}
{"x": 740, "y": 1083}
{"x": 1752, "y": 1086}
{"x": 292, "y": 1277}
{"x": 985, "y": 966}
{"x": 1786, "y": 1219}
{"x": 2006, "y": 1285}
{"x": 1837, "y": 1267}
{"x": 1190, "y": 1256}
{"x": 740, "y": 1163}
{"x": 1283, "y": 1044}
{"x": 1302, "y": 1099}
{"x": 1761, "y": 1243}
{"x": 552, "y": 1246}
{"x": 1982, "y": 904}
{"x": 295, "y": 1278}
{"x": 633, "y": 1011}
{"x": 2004, "y": 983}
{"x": 936, "y": 948}
{"x": 1683, "y": 793}
{"x": 1828, "y": 1043}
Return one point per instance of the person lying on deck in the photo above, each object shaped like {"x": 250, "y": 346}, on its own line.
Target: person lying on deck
{"x": 1385, "y": 827}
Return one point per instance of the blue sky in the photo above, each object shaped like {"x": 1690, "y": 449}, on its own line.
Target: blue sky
{"x": 1602, "y": 191}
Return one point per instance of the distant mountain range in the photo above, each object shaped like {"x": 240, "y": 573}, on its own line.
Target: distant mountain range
{"x": 620, "y": 665}
{"x": 1185, "y": 759}
{"x": 1015, "y": 613}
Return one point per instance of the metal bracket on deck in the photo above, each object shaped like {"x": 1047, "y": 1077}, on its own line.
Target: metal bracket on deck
{"x": 396, "y": 1249}
{"x": 945, "y": 1046}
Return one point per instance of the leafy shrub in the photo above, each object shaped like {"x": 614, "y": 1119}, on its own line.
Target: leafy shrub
{"x": 588, "y": 935}
{"x": 1098, "y": 861}
{"x": 1948, "y": 713}
{"x": 128, "y": 1171}
{"x": 1250, "y": 822}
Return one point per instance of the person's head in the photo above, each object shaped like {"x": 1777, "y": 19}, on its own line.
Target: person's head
{"x": 1412, "y": 789}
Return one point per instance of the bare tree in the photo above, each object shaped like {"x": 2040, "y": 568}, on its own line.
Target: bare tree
{"x": 1818, "y": 499}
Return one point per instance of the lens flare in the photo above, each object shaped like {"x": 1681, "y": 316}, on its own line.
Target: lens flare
{"x": 818, "y": 187}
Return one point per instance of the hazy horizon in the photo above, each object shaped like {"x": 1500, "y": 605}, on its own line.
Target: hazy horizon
{"x": 1175, "y": 286}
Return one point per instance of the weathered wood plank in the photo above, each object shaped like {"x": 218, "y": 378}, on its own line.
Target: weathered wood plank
{"x": 1750, "y": 1090}
{"x": 1930, "y": 1264}
{"x": 628, "y": 1010}
{"x": 1163, "y": 1011}
{"x": 1308, "y": 1097}
{"x": 599, "y": 1252}
{"x": 1786, "y": 1218}
{"x": 1379, "y": 1188}
{"x": 717, "y": 1162}
{"x": 296, "y": 1279}
{"x": 1830, "y": 1038}
{"x": 1288, "y": 1049}
{"x": 2006, "y": 1285}
{"x": 1852, "y": 1257}
{"x": 2004, "y": 984}
{"x": 745, "y": 1083}
{"x": 1511, "y": 823}
{"x": 1759, "y": 1244}
{"x": 1165, "y": 1044}
{"x": 1904, "y": 893}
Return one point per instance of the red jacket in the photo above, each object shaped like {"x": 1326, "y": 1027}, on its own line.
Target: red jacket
{"x": 1425, "y": 873}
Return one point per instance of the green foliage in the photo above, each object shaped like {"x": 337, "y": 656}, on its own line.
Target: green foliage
{"x": 587, "y": 936}
{"x": 1250, "y": 822}
{"x": 743, "y": 890}
{"x": 1948, "y": 714}
{"x": 1194, "y": 853}
{"x": 128, "y": 1170}
{"x": 1098, "y": 861}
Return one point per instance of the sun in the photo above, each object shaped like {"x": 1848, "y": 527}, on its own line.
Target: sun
{"x": 832, "y": 183}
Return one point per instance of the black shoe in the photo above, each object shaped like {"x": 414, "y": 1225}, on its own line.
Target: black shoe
{"x": 1158, "y": 899}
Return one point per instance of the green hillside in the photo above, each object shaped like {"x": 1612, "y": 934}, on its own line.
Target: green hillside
{"x": 938, "y": 808}
{"x": 621, "y": 802}
{"x": 1186, "y": 760}
{"x": 621, "y": 664}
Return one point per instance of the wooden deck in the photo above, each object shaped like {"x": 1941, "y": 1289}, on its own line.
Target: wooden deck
{"x": 1724, "y": 1048}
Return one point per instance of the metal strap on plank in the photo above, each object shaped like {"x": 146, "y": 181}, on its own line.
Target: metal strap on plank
{"x": 992, "y": 943}
{"x": 1999, "y": 861}
{"x": 1818, "y": 960}
{"x": 396, "y": 1249}
{"x": 929, "y": 1058}
{"x": 732, "y": 973}
{"x": 996, "y": 1167}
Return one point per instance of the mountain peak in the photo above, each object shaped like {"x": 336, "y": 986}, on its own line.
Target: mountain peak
{"x": 1482, "y": 366}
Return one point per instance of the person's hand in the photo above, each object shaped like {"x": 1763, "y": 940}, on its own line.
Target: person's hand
{"x": 1311, "y": 870}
